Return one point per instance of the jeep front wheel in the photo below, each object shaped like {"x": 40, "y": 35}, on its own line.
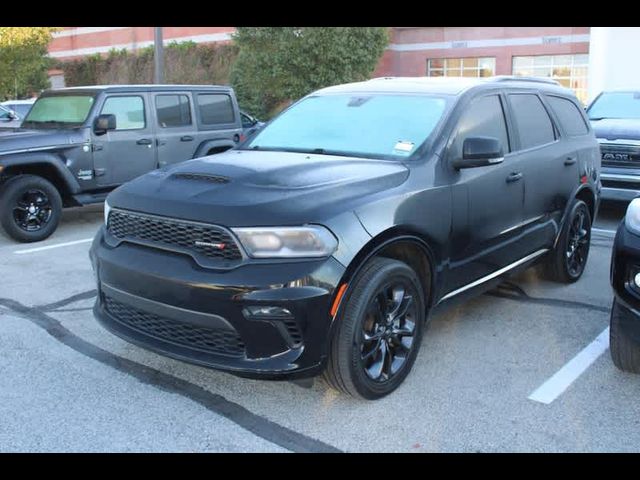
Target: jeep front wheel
{"x": 30, "y": 208}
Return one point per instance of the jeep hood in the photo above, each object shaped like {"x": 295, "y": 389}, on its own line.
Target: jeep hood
{"x": 247, "y": 188}
{"x": 617, "y": 129}
{"x": 26, "y": 139}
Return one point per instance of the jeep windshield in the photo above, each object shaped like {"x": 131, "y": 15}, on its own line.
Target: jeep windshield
{"x": 371, "y": 125}
{"x": 59, "y": 111}
{"x": 625, "y": 105}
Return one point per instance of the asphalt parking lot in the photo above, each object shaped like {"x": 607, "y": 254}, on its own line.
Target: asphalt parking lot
{"x": 524, "y": 368}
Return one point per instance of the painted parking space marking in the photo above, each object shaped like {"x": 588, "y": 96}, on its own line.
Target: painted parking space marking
{"x": 563, "y": 378}
{"x": 602, "y": 230}
{"x": 49, "y": 247}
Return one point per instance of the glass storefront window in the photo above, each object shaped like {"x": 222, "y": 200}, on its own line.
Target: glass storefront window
{"x": 461, "y": 67}
{"x": 569, "y": 70}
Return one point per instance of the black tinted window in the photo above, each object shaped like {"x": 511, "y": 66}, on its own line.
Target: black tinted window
{"x": 215, "y": 108}
{"x": 483, "y": 118}
{"x": 569, "y": 116}
{"x": 173, "y": 110}
{"x": 532, "y": 120}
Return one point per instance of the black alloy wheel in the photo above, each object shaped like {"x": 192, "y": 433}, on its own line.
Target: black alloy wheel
{"x": 30, "y": 208}
{"x": 388, "y": 331}
{"x": 578, "y": 242}
{"x": 567, "y": 261}
{"x": 378, "y": 330}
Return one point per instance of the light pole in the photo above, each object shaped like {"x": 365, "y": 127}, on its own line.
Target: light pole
{"x": 158, "y": 56}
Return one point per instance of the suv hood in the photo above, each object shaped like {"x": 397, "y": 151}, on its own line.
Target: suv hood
{"x": 252, "y": 188}
{"x": 25, "y": 139}
{"x": 617, "y": 128}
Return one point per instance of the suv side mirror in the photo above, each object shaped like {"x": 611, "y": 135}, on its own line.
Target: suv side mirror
{"x": 480, "y": 152}
{"x": 103, "y": 123}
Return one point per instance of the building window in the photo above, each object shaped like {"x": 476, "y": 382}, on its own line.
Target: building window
{"x": 461, "y": 67}
{"x": 569, "y": 70}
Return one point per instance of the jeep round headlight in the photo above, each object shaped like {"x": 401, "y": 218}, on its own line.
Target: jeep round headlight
{"x": 632, "y": 218}
{"x": 287, "y": 242}
{"x": 107, "y": 209}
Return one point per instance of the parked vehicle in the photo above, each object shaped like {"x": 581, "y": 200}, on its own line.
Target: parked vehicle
{"x": 19, "y": 107}
{"x": 615, "y": 117}
{"x": 78, "y": 144}
{"x": 250, "y": 125}
{"x": 324, "y": 243}
{"x": 624, "y": 330}
{"x": 8, "y": 118}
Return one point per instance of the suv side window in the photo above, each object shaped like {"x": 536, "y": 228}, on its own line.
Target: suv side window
{"x": 532, "y": 120}
{"x": 129, "y": 112}
{"x": 173, "y": 110}
{"x": 484, "y": 117}
{"x": 215, "y": 108}
{"x": 568, "y": 115}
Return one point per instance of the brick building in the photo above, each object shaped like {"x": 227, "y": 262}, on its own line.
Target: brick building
{"x": 558, "y": 52}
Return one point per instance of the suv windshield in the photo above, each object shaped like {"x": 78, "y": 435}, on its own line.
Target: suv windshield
{"x": 616, "y": 105}
{"x": 59, "y": 111}
{"x": 365, "y": 125}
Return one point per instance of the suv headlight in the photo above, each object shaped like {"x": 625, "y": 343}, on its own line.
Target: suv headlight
{"x": 632, "y": 218}
{"x": 107, "y": 209}
{"x": 287, "y": 242}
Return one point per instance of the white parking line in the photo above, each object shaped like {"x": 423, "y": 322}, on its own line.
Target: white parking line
{"x": 601, "y": 230}
{"x": 49, "y": 247}
{"x": 556, "y": 385}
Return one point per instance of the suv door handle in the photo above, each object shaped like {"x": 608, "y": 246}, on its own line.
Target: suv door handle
{"x": 186, "y": 138}
{"x": 514, "y": 177}
{"x": 144, "y": 141}
{"x": 570, "y": 161}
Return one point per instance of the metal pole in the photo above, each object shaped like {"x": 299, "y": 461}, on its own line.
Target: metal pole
{"x": 158, "y": 56}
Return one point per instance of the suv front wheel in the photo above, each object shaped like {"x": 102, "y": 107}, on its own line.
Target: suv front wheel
{"x": 30, "y": 208}
{"x": 379, "y": 331}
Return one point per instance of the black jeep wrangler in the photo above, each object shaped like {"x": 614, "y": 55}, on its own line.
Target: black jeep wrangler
{"x": 77, "y": 144}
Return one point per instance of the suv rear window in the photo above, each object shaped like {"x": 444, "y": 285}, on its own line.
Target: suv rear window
{"x": 215, "y": 108}
{"x": 569, "y": 116}
{"x": 532, "y": 120}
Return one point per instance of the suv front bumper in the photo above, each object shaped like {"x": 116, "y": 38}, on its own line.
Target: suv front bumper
{"x": 165, "y": 302}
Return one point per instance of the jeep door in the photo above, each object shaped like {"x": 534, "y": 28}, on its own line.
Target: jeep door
{"x": 218, "y": 117}
{"x": 549, "y": 165}
{"x": 175, "y": 127}
{"x": 128, "y": 151}
{"x": 488, "y": 200}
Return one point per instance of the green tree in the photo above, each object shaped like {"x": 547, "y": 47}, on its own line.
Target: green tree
{"x": 23, "y": 60}
{"x": 277, "y": 65}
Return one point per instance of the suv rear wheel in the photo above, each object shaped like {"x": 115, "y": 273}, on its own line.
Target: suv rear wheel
{"x": 567, "y": 261}
{"x": 30, "y": 208}
{"x": 379, "y": 332}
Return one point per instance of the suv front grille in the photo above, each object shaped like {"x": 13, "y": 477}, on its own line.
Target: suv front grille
{"x": 199, "y": 240}
{"x": 620, "y": 155}
{"x": 209, "y": 340}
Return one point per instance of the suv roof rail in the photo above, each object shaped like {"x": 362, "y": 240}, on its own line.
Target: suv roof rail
{"x": 515, "y": 78}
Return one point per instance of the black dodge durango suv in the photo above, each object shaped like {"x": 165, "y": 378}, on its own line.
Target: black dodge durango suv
{"x": 324, "y": 242}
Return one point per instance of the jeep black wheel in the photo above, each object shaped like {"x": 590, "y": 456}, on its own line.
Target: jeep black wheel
{"x": 30, "y": 208}
{"x": 567, "y": 261}
{"x": 379, "y": 332}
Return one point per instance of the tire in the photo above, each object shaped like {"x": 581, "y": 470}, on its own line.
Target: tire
{"x": 625, "y": 352}
{"x": 348, "y": 370}
{"x": 30, "y": 208}
{"x": 568, "y": 269}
